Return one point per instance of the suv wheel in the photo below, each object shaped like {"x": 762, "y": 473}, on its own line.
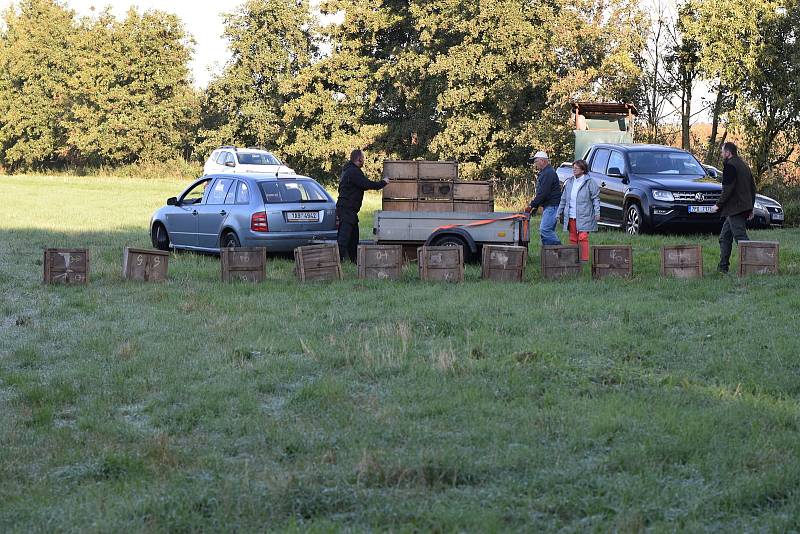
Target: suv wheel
{"x": 634, "y": 220}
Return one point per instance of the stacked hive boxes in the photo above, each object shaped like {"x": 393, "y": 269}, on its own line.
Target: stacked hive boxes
{"x": 433, "y": 186}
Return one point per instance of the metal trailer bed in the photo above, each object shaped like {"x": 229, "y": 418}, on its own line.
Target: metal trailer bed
{"x": 470, "y": 230}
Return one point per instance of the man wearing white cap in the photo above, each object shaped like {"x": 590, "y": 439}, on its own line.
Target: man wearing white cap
{"x": 548, "y": 195}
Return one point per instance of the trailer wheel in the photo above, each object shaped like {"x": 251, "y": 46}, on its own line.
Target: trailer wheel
{"x": 450, "y": 240}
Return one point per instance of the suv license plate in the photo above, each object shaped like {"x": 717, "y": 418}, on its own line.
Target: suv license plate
{"x": 777, "y": 216}
{"x": 302, "y": 216}
{"x": 701, "y": 209}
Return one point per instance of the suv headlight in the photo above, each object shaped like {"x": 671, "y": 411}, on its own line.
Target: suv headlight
{"x": 759, "y": 206}
{"x": 663, "y": 195}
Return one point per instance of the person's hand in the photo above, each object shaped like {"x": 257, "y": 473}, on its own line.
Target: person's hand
{"x": 527, "y": 210}
{"x": 750, "y": 215}
{"x": 385, "y": 180}
{"x": 715, "y": 209}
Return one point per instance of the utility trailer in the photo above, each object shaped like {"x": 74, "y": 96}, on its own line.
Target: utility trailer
{"x": 466, "y": 229}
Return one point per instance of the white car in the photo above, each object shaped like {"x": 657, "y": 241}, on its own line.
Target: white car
{"x": 230, "y": 159}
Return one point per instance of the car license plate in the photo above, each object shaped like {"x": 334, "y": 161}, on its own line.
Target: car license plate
{"x": 777, "y": 216}
{"x": 701, "y": 209}
{"x": 302, "y": 216}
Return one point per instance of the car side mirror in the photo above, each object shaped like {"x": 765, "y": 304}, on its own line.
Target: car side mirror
{"x": 712, "y": 173}
{"x": 172, "y": 201}
{"x": 615, "y": 171}
{"x": 230, "y": 164}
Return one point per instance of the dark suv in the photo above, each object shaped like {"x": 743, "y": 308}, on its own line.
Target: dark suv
{"x": 648, "y": 187}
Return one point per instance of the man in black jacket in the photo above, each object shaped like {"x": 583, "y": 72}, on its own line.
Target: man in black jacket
{"x": 548, "y": 195}
{"x": 351, "y": 194}
{"x": 735, "y": 204}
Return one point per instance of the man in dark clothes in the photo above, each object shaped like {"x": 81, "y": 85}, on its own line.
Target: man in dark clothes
{"x": 735, "y": 204}
{"x": 351, "y": 194}
{"x": 548, "y": 195}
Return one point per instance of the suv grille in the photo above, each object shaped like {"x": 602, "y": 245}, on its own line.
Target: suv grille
{"x": 708, "y": 197}
{"x": 774, "y": 209}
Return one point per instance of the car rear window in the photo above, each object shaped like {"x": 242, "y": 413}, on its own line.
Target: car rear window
{"x": 257, "y": 158}
{"x": 292, "y": 191}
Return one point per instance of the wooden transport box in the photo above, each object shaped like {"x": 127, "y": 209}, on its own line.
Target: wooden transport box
{"x": 473, "y": 191}
{"x": 682, "y": 261}
{"x": 435, "y": 190}
{"x": 399, "y": 205}
{"x": 559, "y": 261}
{"x": 434, "y": 205}
{"x": 66, "y": 266}
{"x": 503, "y": 263}
{"x": 406, "y": 190}
{"x": 437, "y": 170}
{"x": 245, "y": 264}
{"x": 400, "y": 170}
{"x": 317, "y": 263}
{"x": 441, "y": 264}
{"x": 612, "y": 260}
{"x": 474, "y": 206}
{"x": 145, "y": 265}
{"x": 759, "y": 257}
{"x": 380, "y": 262}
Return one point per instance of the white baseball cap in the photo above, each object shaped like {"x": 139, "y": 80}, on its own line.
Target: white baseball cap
{"x": 540, "y": 155}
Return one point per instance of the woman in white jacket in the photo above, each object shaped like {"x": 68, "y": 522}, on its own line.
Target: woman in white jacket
{"x": 580, "y": 206}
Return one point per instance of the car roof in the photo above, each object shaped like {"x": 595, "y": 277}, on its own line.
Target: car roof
{"x": 636, "y": 147}
{"x": 261, "y": 176}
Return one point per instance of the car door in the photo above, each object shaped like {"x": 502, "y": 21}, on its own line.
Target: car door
{"x": 181, "y": 222}
{"x": 597, "y": 172}
{"x": 212, "y": 213}
{"x": 613, "y": 192}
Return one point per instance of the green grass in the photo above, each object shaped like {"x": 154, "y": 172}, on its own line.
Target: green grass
{"x": 191, "y": 405}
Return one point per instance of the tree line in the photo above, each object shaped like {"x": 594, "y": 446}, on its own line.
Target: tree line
{"x": 483, "y": 81}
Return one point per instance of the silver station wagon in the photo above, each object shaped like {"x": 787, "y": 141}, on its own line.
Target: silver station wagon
{"x": 278, "y": 213}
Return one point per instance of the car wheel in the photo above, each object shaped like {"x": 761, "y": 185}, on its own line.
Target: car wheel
{"x": 454, "y": 241}
{"x": 634, "y": 221}
{"x": 230, "y": 240}
{"x": 159, "y": 237}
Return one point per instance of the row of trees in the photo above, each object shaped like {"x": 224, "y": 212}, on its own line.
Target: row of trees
{"x": 400, "y": 78}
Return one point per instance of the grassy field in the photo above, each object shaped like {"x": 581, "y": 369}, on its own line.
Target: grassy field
{"x": 647, "y": 404}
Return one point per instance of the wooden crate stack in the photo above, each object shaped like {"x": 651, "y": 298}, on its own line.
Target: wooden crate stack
{"x": 66, "y": 266}
{"x": 317, "y": 263}
{"x": 244, "y": 264}
{"x": 503, "y": 263}
{"x": 759, "y": 257}
{"x": 682, "y": 261}
{"x": 380, "y": 262}
{"x": 559, "y": 261}
{"x": 441, "y": 264}
{"x": 145, "y": 265}
{"x": 433, "y": 186}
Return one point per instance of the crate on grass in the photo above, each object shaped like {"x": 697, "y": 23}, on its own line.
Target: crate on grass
{"x": 503, "y": 263}
{"x": 612, "y": 260}
{"x": 682, "y": 261}
{"x": 145, "y": 265}
{"x": 66, "y": 266}
{"x": 441, "y": 264}
{"x": 559, "y": 261}
{"x": 317, "y": 263}
{"x": 245, "y": 264}
{"x": 380, "y": 262}
{"x": 759, "y": 257}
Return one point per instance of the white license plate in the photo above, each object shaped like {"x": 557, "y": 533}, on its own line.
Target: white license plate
{"x": 777, "y": 216}
{"x": 701, "y": 209}
{"x": 302, "y": 216}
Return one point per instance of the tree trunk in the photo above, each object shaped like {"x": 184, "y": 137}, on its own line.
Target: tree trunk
{"x": 686, "y": 111}
{"x": 711, "y": 147}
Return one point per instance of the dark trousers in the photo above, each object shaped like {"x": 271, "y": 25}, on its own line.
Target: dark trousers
{"x": 347, "y": 237}
{"x": 734, "y": 228}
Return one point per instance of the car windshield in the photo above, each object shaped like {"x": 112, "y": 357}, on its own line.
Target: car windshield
{"x": 665, "y": 163}
{"x": 292, "y": 191}
{"x": 257, "y": 158}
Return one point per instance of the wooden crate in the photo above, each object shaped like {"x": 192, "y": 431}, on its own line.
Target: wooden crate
{"x": 474, "y": 206}
{"x": 66, "y": 266}
{"x": 473, "y": 191}
{"x": 406, "y": 190}
{"x": 434, "y": 205}
{"x": 317, "y": 263}
{"x": 612, "y": 260}
{"x": 441, "y": 264}
{"x": 504, "y": 263}
{"x": 245, "y": 264}
{"x": 380, "y": 262}
{"x": 759, "y": 257}
{"x": 435, "y": 190}
{"x": 682, "y": 261}
{"x": 400, "y": 170}
{"x": 437, "y": 170}
{"x": 399, "y": 205}
{"x": 560, "y": 261}
{"x": 145, "y": 265}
